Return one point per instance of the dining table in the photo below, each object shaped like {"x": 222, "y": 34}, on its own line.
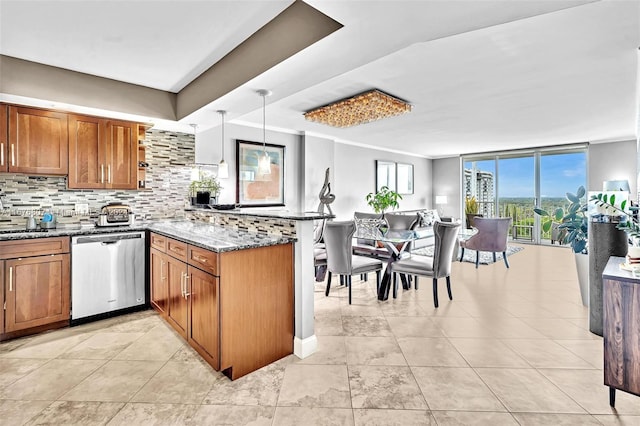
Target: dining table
{"x": 397, "y": 243}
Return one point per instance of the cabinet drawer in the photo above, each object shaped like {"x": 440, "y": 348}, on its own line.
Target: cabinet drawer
{"x": 33, "y": 247}
{"x": 203, "y": 259}
{"x": 158, "y": 242}
{"x": 177, "y": 249}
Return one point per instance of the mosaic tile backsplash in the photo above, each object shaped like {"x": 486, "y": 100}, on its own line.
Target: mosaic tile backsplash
{"x": 261, "y": 225}
{"x": 167, "y": 180}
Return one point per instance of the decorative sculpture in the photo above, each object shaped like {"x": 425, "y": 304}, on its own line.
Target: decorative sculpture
{"x": 326, "y": 197}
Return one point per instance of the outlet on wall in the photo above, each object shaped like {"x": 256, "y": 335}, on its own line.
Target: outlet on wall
{"x": 82, "y": 208}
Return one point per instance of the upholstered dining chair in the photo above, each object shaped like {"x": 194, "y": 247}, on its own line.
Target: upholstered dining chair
{"x": 438, "y": 266}
{"x": 338, "y": 239}
{"x": 397, "y": 221}
{"x": 491, "y": 236}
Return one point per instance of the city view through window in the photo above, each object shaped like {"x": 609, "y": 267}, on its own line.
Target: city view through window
{"x": 505, "y": 185}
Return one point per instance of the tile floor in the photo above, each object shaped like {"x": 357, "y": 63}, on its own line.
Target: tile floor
{"x": 512, "y": 348}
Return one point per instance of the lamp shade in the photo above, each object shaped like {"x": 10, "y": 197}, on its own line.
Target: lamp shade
{"x": 441, "y": 199}
{"x": 616, "y": 185}
{"x": 223, "y": 170}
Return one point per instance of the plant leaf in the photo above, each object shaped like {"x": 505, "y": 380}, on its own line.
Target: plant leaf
{"x": 546, "y": 226}
{"x": 558, "y": 214}
{"x": 540, "y": 212}
{"x": 571, "y": 197}
{"x": 623, "y": 204}
{"x": 612, "y": 199}
{"x": 581, "y": 192}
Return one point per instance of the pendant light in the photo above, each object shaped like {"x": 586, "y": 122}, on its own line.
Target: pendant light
{"x": 223, "y": 167}
{"x": 264, "y": 161}
{"x": 195, "y": 168}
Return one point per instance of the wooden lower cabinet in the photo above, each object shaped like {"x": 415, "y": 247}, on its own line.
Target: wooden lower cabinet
{"x": 238, "y": 320}
{"x": 35, "y": 279}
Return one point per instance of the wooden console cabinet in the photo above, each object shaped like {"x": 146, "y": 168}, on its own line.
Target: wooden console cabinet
{"x": 621, "y": 329}
{"x": 234, "y": 308}
{"x": 35, "y": 282}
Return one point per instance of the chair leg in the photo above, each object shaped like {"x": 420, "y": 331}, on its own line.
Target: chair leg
{"x": 504, "y": 256}
{"x": 366, "y": 277}
{"x": 449, "y": 287}
{"x": 395, "y": 285}
{"x": 494, "y": 257}
{"x": 349, "y": 284}
{"x": 477, "y": 258}
{"x": 378, "y": 281}
{"x": 461, "y": 254}
{"x": 341, "y": 279}
{"x": 435, "y": 292}
{"x": 326, "y": 293}
{"x": 416, "y": 285}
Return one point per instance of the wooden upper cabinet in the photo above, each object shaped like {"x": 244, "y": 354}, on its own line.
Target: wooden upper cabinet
{"x": 38, "y": 141}
{"x": 4, "y": 138}
{"x": 102, "y": 153}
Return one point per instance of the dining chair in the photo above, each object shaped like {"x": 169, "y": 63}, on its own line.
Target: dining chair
{"x": 438, "y": 266}
{"x": 396, "y": 221}
{"x": 338, "y": 239}
{"x": 491, "y": 236}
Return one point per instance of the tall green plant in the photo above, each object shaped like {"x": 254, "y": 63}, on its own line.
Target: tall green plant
{"x": 383, "y": 199}
{"x": 630, "y": 226}
{"x": 574, "y": 223}
{"x": 471, "y": 205}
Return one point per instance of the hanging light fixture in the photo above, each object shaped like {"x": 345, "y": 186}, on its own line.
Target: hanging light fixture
{"x": 195, "y": 168}
{"x": 223, "y": 167}
{"x": 264, "y": 161}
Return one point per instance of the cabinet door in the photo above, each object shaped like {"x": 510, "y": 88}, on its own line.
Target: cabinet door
{"x": 203, "y": 298}
{"x": 37, "y": 291}
{"x": 4, "y": 138}
{"x": 159, "y": 282}
{"x": 122, "y": 152}
{"x": 1, "y": 296}
{"x": 178, "y": 309}
{"x": 87, "y": 152}
{"x": 38, "y": 141}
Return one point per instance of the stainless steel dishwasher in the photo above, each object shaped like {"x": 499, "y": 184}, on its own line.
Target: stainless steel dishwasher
{"x": 107, "y": 273}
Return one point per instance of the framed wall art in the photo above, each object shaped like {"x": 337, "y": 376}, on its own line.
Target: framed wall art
{"x": 253, "y": 188}
{"x": 404, "y": 178}
{"x": 385, "y": 175}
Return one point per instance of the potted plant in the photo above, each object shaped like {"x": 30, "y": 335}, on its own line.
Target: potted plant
{"x": 471, "y": 209}
{"x": 383, "y": 199}
{"x": 573, "y": 228}
{"x": 205, "y": 185}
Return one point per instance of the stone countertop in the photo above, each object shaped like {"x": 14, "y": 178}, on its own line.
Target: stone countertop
{"x": 613, "y": 271}
{"x": 216, "y": 238}
{"x": 272, "y": 214}
{"x": 207, "y": 236}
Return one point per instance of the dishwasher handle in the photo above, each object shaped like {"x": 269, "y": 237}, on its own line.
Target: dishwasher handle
{"x": 106, "y": 239}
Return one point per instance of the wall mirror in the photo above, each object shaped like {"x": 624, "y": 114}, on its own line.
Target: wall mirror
{"x": 404, "y": 178}
{"x": 385, "y": 175}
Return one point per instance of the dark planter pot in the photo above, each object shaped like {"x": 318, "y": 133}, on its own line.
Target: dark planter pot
{"x": 470, "y": 217}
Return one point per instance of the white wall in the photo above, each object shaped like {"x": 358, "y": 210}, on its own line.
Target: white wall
{"x": 208, "y": 150}
{"x": 447, "y": 181}
{"x": 318, "y": 155}
{"x": 613, "y": 161}
{"x": 355, "y": 178}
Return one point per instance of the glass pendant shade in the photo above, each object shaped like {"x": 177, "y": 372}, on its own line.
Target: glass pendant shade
{"x": 264, "y": 161}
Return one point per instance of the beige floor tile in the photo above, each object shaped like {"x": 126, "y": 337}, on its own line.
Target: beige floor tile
{"x": 19, "y": 412}
{"x": 13, "y": 369}
{"x": 510, "y": 328}
{"x": 361, "y": 310}
{"x": 587, "y": 388}
{"x": 537, "y": 419}
{"x": 331, "y": 350}
{"x": 429, "y": 351}
{"x": 591, "y": 351}
{"x": 77, "y": 413}
{"x": 138, "y": 322}
{"x": 309, "y": 416}
{"x": 446, "y": 309}
{"x": 403, "y": 309}
{"x": 414, "y": 327}
{"x": 447, "y": 388}
{"x": 528, "y": 310}
{"x": 51, "y": 380}
{"x": 315, "y": 386}
{"x": 101, "y": 346}
{"x": 232, "y": 415}
{"x": 378, "y": 417}
{"x": 526, "y": 390}
{"x": 462, "y": 327}
{"x": 115, "y": 381}
{"x": 326, "y": 325}
{"x": 488, "y": 353}
{"x": 546, "y": 354}
{"x": 366, "y": 326}
{"x": 258, "y": 388}
{"x": 179, "y": 383}
{"x": 47, "y": 346}
{"x": 559, "y": 328}
{"x": 479, "y": 418}
{"x": 391, "y": 387}
{"x": 158, "y": 344}
{"x": 374, "y": 351}
{"x": 614, "y": 420}
{"x": 144, "y": 414}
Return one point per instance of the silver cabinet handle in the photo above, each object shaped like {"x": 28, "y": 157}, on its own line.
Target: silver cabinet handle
{"x": 101, "y": 173}
{"x": 186, "y": 286}
{"x": 13, "y": 155}
{"x": 11, "y": 278}
{"x": 1, "y": 153}
{"x": 182, "y": 283}
{"x": 109, "y": 173}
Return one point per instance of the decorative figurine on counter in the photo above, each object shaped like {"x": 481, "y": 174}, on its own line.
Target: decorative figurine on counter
{"x": 326, "y": 197}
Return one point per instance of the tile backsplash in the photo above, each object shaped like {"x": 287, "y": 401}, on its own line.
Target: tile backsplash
{"x": 169, "y": 155}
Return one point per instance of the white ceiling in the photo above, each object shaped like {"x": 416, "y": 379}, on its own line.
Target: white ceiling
{"x": 482, "y": 75}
